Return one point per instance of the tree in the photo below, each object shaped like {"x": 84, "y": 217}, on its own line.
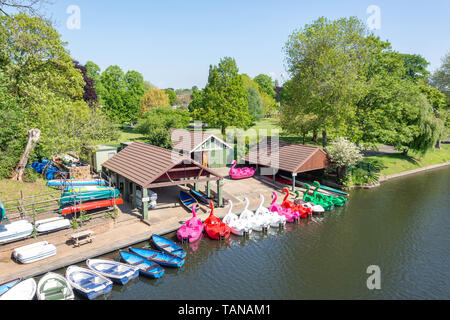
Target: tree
{"x": 326, "y": 59}
{"x": 154, "y": 98}
{"x": 35, "y": 63}
{"x": 224, "y": 99}
{"x": 135, "y": 90}
{"x": 30, "y": 6}
{"x": 157, "y": 123}
{"x": 266, "y": 84}
{"x": 441, "y": 77}
{"x": 89, "y": 95}
{"x": 172, "y": 96}
{"x": 415, "y": 66}
{"x": 255, "y": 107}
{"x": 343, "y": 155}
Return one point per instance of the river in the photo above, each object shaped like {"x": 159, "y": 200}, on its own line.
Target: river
{"x": 402, "y": 227}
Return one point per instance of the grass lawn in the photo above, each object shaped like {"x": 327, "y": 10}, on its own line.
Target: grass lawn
{"x": 126, "y": 135}
{"x": 10, "y": 190}
{"x": 395, "y": 163}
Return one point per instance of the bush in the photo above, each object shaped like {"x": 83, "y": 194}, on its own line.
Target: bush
{"x": 30, "y": 175}
{"x": 367, "y": 171}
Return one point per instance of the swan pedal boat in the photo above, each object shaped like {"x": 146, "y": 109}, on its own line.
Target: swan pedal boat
{"x": 192, "y": 230}
{"x": 275, "y": 220}
{"x": 258, "y": 223}
{"x": 118, "y": 272}
{"x": 214, "y": 227}
{"x": 285, "y": 212}
{"x": 147, "y": 268}
{"x": 238, "y": 227}
{"x": 241, "y": 173}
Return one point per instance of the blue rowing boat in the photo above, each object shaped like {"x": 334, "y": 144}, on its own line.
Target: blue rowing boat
{"x": 199, "y": 196}
{"x": 147, "y": 268}
{"x": 116, "y": 271}
{"x": 88, "y": 283}
{"x": 159, "y": 257}
{"x": 68, "y": 183}
{"x": 168, "y": 246}
{"x": 8, "y": 285}
{"x": 188, "y": 201}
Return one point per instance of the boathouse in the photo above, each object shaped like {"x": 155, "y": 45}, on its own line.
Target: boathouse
{"x": 205, "y": 148}
{"x": 271, "y": 157}
{"x": 145, "y": 166}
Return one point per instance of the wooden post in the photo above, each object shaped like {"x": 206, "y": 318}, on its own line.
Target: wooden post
{"x": 219, "y": 193}
{"x": 208, "y": 189}
{"x": 293, "y": 181}
{"x": 126, "y": 191}
{"x": 133, "y": 204}
{"x": 145, "y": 203}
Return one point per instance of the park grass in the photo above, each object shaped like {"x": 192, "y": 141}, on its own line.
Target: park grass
{"x": 396, "y": 162}
{"x": 10, "y": 190}
{"x": 126, "y": 135}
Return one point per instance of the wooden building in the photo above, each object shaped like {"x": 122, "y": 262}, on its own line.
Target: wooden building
{"x": 270, "y": 157}
{"x": 147, "y": 166}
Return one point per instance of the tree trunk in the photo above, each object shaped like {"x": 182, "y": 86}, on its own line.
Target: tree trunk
{"x": 438, "y": 144}
{"x": 33, "y": 138}
{"x": 304, "y": 138}
{"x": 324, "y": 138}
{"x": 224, "y": 130}
{"x": 315, "y": 136}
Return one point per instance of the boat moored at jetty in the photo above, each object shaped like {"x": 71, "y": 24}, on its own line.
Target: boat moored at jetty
{"x": 147, "y": 268}
{"x": 53, "y": 286}
{"x": 24, "y": 290}
{"x": 118, "y": 272}
{"x": 160, "y": 258}
{"x": 168, "y": 246}
{"x": 88, "y": 283}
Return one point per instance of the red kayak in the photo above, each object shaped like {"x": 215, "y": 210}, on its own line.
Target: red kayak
{"x": 214, "y": 227}
{"x": 92, "y": 205}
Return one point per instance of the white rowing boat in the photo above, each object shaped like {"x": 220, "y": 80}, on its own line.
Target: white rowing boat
{"x": 34, "y": 252}
{"x": 24, "y": 290}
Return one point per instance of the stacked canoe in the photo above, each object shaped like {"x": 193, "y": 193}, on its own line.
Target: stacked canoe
{"x": 88, "y": 198}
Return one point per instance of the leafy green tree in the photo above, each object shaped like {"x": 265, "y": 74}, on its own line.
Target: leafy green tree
{"x": 112, "y": 92}
{"x": 415, "y": 67}
{"x": 157, "y": 123}
{"x": 327, "y": 59}
{"x": 255, "y": 107}
{"x": 266, "y": 84}
{"x": 172, "y": 96}
{"x": 35, "y": 63}
{"x": 294, "y": 118}
{"x": 154, "y": 98}
{"x": 134, "y": 92}
{"x": 441, "y": 77}
{"x": 224, "y": 99}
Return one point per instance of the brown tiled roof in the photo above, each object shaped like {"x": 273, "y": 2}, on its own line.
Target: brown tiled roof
{"x": 143, "y": 163}
{"x": 187, "y": 141}
{"x": 290, "y": 157}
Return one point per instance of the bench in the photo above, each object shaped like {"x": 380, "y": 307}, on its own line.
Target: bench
{"x": 82, "y": 237}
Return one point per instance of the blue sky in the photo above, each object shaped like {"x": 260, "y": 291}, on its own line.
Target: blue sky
{"x": 172, "y": 43}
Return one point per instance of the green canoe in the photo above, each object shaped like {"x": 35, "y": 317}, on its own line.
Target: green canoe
{"x": 68, "y": 198}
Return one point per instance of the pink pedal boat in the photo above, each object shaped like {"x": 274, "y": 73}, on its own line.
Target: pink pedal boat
{"x": 192, "y": 230}
{"x": 241, "y": 173}
{"x": 275, "y": 207}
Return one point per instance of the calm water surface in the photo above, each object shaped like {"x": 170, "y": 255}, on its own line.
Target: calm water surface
{"x": 403, "y": 227}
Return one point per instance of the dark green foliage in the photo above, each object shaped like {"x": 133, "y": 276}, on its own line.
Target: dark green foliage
{"x": 266, "y": 84}
{"x": 172, "y": 96}
{"x": 157, "y": 123}
{"x": 255, "y": 107}
{"x": 366, "y": 171}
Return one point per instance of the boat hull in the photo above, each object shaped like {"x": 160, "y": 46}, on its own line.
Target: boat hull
{"x": 53, "y": 286}
{"x": 24, "y": 290}
{"x": 88, "y": 283}
{"x": 117, "y": 272}
{"x": 91, "y": 205}
{"x": 168, "y": 246}
{"x": 188, "y": 201}
{"x": 160, "y": 258}
{"x": 145, "y": 267}
{"x": 34, "y": 252}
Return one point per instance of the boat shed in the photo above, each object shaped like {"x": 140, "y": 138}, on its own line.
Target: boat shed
{"x": 203, "y": 147}
{"x": 290, "y": 157}
{"x": 147, "y": 166}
